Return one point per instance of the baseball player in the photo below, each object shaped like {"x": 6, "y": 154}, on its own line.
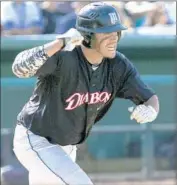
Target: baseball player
{"x": 79, "y": 75}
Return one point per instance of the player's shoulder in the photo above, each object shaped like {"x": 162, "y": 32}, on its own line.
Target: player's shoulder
{"x": 65, "y": 54}
{"x": 122, "y": 63}
{"x": 121, "y": 59}
{"x": 68, "y": 58}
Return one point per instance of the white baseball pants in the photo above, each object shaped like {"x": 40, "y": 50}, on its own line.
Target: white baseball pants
{"x": 47, "y": 163}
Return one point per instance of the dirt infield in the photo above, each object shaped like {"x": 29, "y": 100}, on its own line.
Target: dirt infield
{"x": 154, "y": 182}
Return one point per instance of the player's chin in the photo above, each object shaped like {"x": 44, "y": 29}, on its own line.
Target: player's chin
{"x": 110, "y": 54}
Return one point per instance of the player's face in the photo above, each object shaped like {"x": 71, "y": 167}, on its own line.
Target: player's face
{"x": 106, "y": 44}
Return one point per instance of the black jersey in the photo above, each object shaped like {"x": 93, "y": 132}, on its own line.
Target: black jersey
{"x": 70, "y": 95}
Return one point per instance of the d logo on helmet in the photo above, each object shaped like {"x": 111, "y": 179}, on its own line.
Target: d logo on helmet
{"x": 113, "y": 18}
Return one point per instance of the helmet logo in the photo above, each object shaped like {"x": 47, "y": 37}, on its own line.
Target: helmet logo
{"x": 113, "y": 17}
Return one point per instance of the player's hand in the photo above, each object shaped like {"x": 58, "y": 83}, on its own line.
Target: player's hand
{"x": 71, "y": 38}
{"x": 143, "y": 113}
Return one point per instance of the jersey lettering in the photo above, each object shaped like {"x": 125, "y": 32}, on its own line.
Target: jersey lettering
{"x": 104, "y": 97}
{"x": 78, "y": 99}
{"x": 74, "y": 101}
{"x": 94, "y": 98}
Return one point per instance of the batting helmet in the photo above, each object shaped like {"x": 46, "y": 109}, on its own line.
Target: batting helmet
{"x": 98, "y": 18}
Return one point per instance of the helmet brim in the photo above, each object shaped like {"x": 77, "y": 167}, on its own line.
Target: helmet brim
{"x": 108, "y": 29}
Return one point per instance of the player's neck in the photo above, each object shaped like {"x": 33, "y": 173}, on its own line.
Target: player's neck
{"x": 92, "y": 55}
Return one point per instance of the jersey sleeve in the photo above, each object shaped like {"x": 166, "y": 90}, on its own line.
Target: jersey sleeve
{"x": 132, "y": 86}
{"x": 52, "y": 64}
{"x": 34, "y": 62}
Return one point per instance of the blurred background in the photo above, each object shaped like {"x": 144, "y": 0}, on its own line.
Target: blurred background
{"x": 118, "y": 150}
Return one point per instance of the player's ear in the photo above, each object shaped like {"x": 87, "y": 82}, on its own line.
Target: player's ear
{"x": 119, "y": 33}
{"x": 93, "y": 40}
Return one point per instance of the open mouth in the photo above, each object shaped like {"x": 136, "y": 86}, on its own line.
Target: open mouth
{"x": 112, "y": 48}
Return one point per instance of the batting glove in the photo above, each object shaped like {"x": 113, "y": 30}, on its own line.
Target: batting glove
{"x": 71, "y": 38}
{"x": 143, "y": 114}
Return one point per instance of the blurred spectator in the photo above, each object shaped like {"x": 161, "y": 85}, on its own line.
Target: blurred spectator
{"x": 158, "y": 16}
{"x": 69, "y": 20}
{"x": 21, "y": 18}
{"x": 170, "y": 8}
{"x": 49, "y": 13}
{"x": 148, "y": 14}
{"x": 65, "y": 7}
{"x": 138, "y": 11}
{"x": 52, "y": 12}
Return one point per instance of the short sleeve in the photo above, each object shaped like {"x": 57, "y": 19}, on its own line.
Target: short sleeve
{"x": 132, "y": 86}
{"x": 50, "y": 66}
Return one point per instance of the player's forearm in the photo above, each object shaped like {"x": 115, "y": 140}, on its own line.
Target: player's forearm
{"x": 154, "y": 102}
{"x": 52, "y": 47}
{"x": 29, "y": 61}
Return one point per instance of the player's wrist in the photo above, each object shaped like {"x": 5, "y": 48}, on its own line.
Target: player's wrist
{"x": 52, "y": 47}
{"x": 63, "y": 40}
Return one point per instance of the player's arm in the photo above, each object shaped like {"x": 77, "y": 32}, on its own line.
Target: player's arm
{"x": 44, "y": 59}
{"x": 153, "y": 102}
{"x": 28, "y": 62}
{"x": 146, "y": 112}
{"x": 133, "y": 88}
